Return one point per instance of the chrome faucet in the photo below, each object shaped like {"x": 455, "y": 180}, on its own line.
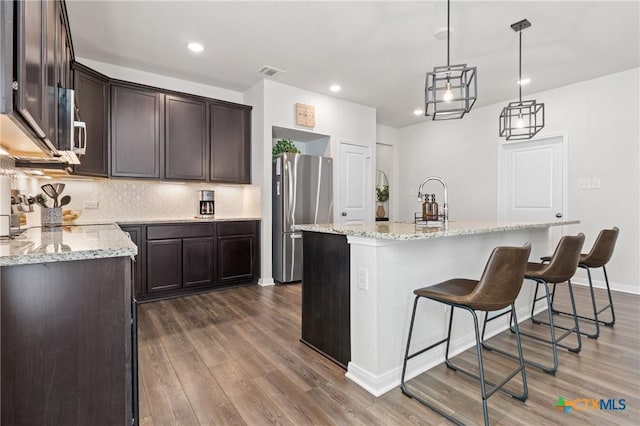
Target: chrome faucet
{"x": 445, "y": 206}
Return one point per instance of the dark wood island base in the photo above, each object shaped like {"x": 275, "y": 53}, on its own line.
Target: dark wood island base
{"x": 66, "y": 343}
{"x": 326, "y": 295}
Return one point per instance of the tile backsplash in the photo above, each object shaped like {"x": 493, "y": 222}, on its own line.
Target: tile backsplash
{"x": 122, "y": 200}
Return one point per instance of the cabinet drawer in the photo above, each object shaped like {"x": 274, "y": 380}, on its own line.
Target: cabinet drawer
{"x": 162, "y": 232}
{"x": 237, "y": 228}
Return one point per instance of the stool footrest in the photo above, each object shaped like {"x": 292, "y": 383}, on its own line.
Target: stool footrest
{"x": 548, "y": 370}
{"x": 421, "y": 351}
{"x": 494, "y": 387}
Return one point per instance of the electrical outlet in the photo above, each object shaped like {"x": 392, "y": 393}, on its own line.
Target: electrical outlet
{"x": 595, "y": 183}
{"x": 363, "y": 278}
{"x": 584, "y": 183}
{"x": 90, "y": 205}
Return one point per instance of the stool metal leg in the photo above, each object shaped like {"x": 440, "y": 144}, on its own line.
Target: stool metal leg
{"x": 403, "y": 386}
{"x": 485, "y": 394}
{"x": 553, "y": 341}
{"x": 596, "y": 311}
{"x": 610, "y": 305}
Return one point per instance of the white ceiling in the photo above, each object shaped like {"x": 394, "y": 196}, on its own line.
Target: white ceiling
{"x": 377, "y": 51}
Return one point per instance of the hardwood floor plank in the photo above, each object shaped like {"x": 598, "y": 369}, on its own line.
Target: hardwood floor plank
{"x": 167, "y": 401}
{"x": 234, "y": 357}
{"x": 209, "y": 402}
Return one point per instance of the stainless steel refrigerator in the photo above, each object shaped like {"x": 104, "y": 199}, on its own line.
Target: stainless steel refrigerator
{"x": 302, "y": 194}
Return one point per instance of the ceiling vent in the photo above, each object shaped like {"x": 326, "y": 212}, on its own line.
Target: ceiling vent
{"x": 270, "y": 71}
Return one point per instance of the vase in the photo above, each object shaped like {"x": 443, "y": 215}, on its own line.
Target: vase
{"x": 380, "y": 211}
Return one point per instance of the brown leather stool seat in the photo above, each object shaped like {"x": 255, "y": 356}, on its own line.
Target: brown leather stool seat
{"x": 497, "y": 289}
{"x": 598, "y": 257}
{"x": 560, "y": 268}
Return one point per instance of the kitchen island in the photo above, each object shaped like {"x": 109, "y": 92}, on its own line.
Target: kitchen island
{"x": 68, "y": 353}
{"x": 368, "y": 305}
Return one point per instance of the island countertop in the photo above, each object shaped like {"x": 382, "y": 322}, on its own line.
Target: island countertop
{"x": 65, "y": 243}
{"x": 412, "y": 231}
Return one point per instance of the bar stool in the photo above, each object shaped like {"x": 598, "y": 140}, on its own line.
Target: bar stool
{"x": 560, "y": 268}
{"x": 497, "y": 288}
{"x": 599, "y": 256}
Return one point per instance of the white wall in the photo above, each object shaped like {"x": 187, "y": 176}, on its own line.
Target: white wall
{"x": 162, "y": 81}
{"x": 602, "y": 120}
{"x": 334, "y": 117}
{"x": 387, "y": 161}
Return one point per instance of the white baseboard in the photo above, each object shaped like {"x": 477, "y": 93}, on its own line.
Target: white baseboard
{"x": 379, "y": 385}
{"x": 621, "y": 287}
{"x": 265, "y": 282}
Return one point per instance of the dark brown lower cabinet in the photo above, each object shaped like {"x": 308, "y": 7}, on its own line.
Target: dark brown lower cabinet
{"x": 176, "y": 259}
{"x": 237, "y": 251}
{"x": 197, "y": 261}
{"x": 326, "y": 295}
{"x": 66, "y": 343}
{"x": 164, "y": 265}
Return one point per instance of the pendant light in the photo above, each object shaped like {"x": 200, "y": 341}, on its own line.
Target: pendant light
{"x": 450, "y": 91}
{"x": 522, "y": 119}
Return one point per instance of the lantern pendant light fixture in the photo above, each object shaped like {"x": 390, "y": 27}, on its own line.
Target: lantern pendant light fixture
{"x": 522, "y": 119}
{"x": 450, "y": 91}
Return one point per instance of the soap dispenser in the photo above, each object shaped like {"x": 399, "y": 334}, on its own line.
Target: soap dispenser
{"x": 433, "y": 208}
{"x": 426, "y": 206}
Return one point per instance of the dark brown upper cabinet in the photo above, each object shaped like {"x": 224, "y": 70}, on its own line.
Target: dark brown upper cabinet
{"x": 186, "y": 144}
{"x": 92, "y": 103}
{"x": 230, "y": 159}
{"x": 42, "y": 57}
{"x": 30, "y": 66}
{"x": 136, "y": 131}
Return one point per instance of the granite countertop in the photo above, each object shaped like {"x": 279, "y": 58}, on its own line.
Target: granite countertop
{"x": 411, "y": 231}
{"x": 186, "y": 220}
{"x": 64, "y": 243}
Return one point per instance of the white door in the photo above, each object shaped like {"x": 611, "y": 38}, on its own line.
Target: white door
{"x": 532, "y": 180}
{"x": 356, "y": 184}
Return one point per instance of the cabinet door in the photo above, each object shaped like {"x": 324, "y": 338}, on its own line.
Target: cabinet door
{"x": 197, "y": 261}
{"x": 164, "y": 265}
{"x": 136, "y": 132}
{"x": 52, "y": 56}
{"x": 30, "y": 64}
{"x": 186, "y": 144}
{"x": 92, "y": 100}
{"x": 237, "y": 251}
{"x": 136, "y": 235}
{"x": 230, "y": 143}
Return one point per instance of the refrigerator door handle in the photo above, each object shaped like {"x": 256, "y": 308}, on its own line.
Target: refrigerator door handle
{"x": 296, "y": 236}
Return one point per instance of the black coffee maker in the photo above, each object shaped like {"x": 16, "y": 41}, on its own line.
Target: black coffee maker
{"x": 206, "y": 208}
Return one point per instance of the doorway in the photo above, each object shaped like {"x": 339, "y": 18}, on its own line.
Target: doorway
{"x": 532, "y": 179}
{"x": 355, "y": 183}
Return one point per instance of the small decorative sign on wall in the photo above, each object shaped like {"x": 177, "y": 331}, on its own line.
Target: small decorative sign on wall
{"x": 305, "y": 115}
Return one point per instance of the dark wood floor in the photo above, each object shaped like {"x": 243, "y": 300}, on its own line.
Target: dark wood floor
{"x": 233, "y": 357}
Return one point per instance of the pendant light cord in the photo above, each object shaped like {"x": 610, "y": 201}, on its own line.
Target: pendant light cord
{"x": 448, "y": 31}
{"x": 520, "y": 68}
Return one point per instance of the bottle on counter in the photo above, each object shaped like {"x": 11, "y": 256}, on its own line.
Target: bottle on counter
{"x": 426, "y": 205}
{"x": 433, "y": 208}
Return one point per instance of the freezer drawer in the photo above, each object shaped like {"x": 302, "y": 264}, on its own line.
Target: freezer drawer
{"x": 289, "y": 266}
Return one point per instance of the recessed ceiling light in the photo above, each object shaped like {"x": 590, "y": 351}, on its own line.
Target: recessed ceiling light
{"x": 524, "y": 81}
{"x": 335, "y": 88}
{"x": 418, "y": 112}
{"x": 441, "y": 33}
{"x": 195, "y": 47}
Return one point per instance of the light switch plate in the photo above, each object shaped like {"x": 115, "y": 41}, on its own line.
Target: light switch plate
{"x": 595, "y": 183}
{"x": 363, "y": 278}
{"x": 584, "y": 183}
{"x": 90, "y": 205}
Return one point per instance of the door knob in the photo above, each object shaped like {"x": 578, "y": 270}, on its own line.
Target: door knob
{"x": 343, "y": 213}
{"x": 558, "y": 215}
